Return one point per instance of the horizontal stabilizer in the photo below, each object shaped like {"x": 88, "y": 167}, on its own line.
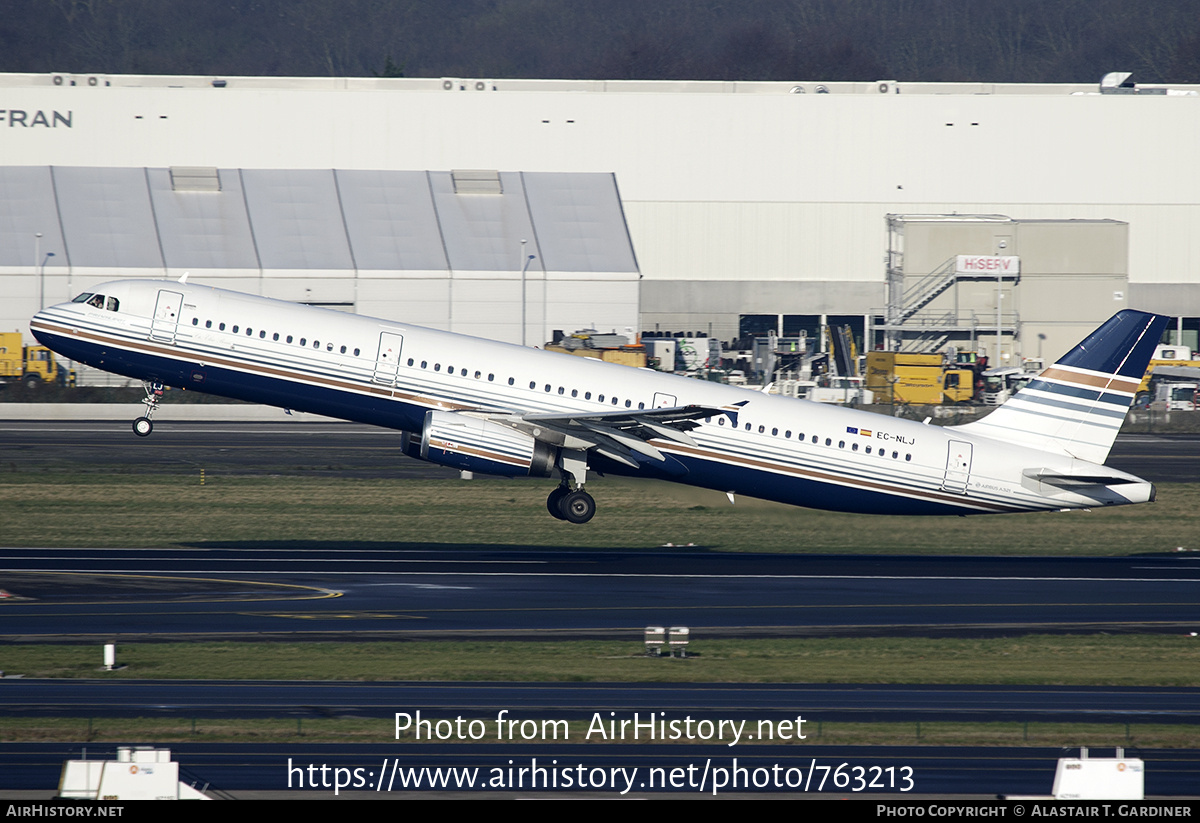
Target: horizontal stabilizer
{"x": 1064, "y": 479}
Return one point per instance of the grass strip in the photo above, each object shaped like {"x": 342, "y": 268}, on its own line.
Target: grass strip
{"x": 56, "y": 510}
{"x": 1051, "y": 660}
{"x": 380, "y": 730}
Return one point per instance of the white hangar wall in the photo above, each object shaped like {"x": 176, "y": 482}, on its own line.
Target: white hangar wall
{"x": 409, "y": 245}
{"x": 750, "y": 192}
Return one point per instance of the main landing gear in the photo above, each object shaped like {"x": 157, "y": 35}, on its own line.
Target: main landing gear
{"x": 154, "y": 392}
{"x": 569, "y": 501}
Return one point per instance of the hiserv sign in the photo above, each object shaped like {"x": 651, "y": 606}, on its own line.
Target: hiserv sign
{"x": 984, "y": 264}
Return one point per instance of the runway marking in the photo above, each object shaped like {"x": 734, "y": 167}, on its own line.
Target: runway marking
{"x": 317, "y": 592}
{"x": 335, "y": 615}
{"x": 584, "y": 609}
{"x": 301, "y": 560}
{"x": 648, "y": 576}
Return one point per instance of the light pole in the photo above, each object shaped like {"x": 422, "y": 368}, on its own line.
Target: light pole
{"x": 37, "y": 255}
{"x": 42, "y": 280}
{"x": 524, "y": 268}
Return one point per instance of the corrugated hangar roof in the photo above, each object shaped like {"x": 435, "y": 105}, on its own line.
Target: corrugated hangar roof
{"x": 310, "y": 220}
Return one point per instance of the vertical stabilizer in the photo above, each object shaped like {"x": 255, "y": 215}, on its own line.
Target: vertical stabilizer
{"x": 1076, "y": 406}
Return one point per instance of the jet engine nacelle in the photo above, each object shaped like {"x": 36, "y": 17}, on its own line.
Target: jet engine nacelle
{"x": 470, "y": 443}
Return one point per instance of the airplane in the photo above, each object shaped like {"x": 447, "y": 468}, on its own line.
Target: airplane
{"x": 503, "y": 409}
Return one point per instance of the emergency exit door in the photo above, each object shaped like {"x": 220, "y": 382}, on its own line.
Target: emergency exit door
{"x": 958, "y": 467}
{"x": 387, "y": 360}
{"x": 165, "y": 322}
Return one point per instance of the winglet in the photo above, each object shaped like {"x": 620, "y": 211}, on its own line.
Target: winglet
{"x": 183, "y": 278}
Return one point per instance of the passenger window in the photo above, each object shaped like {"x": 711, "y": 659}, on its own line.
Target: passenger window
{"x": 289, "y": 338}
{"x": 574, "y": 392}
{"x": 511, "y": 380}
{"x": 600, "y": 399}
{"x": 587, "y": 395}
{"x": 329, "y": 347}
{"x": 316, "y": 344}
{"x": 410, "y": 361}
{"x": 828, "y": 441}
{"x": 561, "y": 390}
{"x": 235, "y": 329}
{"x": 424, "y": 363}
{"x": 788, "y": 434}
{"x": 854, "y": 447}
{"x": 195, "y": 321}
{"x": 761, "y": 429}
{"x": 720, "y": 421}
{"x": 774, "y": 432}
{"x": 208, "y": 324}
{"x": 747, "y": 427}
{"x": 249, "y": 331}
{"x": 343, "y": 351}
{"x": 303, "y": 341}
{"x": 262, "y": 335}
{"x": 491, "y": 378}
{"x": 450, "y": 370}
{"x": 275, "y": 337}
{"x": 464, "y": 373}
{"x": 841, "y": 444}
{"x": 547, "y": 387}
{"x": 868, "y": 450}
{"x": 356, "y": 352}
{"x": 641, "y": 405}
{"x": 437, "y": 366}
{"x": 221, "y": 327}
{"x": 478, "y": 374}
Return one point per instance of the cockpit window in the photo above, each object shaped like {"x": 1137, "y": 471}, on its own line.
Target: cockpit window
{"x": 114, "y": 304}
{"x": 83, "y": 298}
{"x": 96, "y": 300}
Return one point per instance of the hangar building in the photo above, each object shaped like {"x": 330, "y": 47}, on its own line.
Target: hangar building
{"x": 703, "y": 207}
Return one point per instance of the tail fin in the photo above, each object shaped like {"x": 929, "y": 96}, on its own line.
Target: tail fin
{"x": 1076, "y": 406}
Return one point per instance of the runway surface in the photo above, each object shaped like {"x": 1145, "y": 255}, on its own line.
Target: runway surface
{"x": 216, "y": 592}
{"x": 900, "y": 772}
{"x": 857, "y": 703}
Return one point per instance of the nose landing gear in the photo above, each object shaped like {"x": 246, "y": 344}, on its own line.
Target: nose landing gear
{"x": 154, "y": 392}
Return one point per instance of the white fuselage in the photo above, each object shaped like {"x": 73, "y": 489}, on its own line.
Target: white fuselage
{"x": 391, "y": 374}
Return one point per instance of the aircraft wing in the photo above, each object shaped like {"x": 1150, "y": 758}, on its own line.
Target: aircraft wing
{"x": 617, "y": 434}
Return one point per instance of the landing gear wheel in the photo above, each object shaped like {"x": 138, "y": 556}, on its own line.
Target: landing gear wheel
{"x": 578, "y": 507}
{"x": 554, "y": 502}
{"x": 142, "y": 427}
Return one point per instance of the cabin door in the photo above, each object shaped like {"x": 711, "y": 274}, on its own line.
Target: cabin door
{"x": 387, "y": 361}
{"x": 958, "y": 467}
{"x": 166, "y": 316}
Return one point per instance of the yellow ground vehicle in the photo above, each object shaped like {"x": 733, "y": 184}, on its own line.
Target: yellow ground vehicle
{"x": 31, "y": 365}
{"x": 1168, "y": 357}
{"x": 917, "y": 379}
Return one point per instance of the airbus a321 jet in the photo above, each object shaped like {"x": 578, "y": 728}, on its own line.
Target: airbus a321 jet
{"x": 502, "y": 409}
